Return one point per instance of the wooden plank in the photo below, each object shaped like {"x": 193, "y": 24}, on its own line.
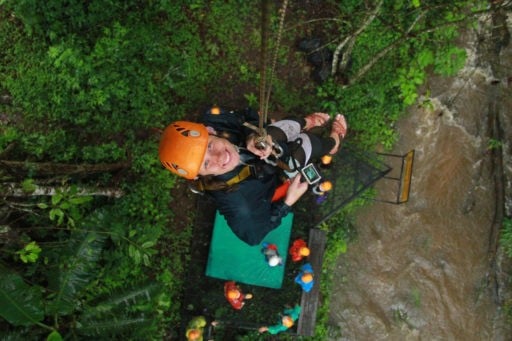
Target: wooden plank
{"x": 309, "y": 300}
{"x": 406, "y": 176}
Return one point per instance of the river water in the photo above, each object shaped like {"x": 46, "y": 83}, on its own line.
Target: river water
{"x": 420, "y": 270}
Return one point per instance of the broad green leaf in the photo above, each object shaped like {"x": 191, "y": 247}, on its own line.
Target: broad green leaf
{"x": 148, "y": 244}
{"x": 56, "y": 198}
{"x": 32, "y": 246}
{"x": 137, "y": 257}
{"x": 61, "y": 218}
{"x": 32, "y": 257}
{"x": 20, "y": 304}
{"x": 52, "y": 214}
{"x": 54, "y": 336}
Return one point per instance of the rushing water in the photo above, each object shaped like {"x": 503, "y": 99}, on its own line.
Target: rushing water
{"x": 419, "y": 271}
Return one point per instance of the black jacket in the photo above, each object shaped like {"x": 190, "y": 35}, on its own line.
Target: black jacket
{"x": 247, "y": 208}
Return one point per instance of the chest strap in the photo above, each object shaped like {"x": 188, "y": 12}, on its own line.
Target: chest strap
{"x": 244, "y": 173}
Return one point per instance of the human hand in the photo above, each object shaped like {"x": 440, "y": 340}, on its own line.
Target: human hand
{"x": 262, "y": 329}
{"x": 262, "y": 153}
{"x": 295, "y": 191}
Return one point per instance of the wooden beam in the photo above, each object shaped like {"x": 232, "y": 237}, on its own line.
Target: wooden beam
{"x": 405, "y": 185}
{"x": 309, "y": 300}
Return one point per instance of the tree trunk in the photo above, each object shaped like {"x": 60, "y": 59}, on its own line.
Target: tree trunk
{"x": 13, "y": 189}
{"x": 49, "y": 168}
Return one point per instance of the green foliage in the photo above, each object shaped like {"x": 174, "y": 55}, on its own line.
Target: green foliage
{"x": 450, "y": 60}
{"x": 494, "y": 144}
{"x": 252, "y": 100}
{"x": 422, "y": 39}
{"x": 7, "y": 135}
{"x": 75, "y": 270}
{"x": 29, "y": 253}
{"x": 64, "y": 205}
{"x": 126, "y": 307}
{"x": 20, "y": 304}
{"x": 28, "y": 185}
{"x": 85, "y": 83}
{"x": 507, "y": 308}
{"x": 371, "y": 112}
{"x": 54, "y": 336}
{"x": 506, "y": 236}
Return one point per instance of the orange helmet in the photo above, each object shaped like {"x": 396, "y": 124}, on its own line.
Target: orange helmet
{"x": 193, "y": 334}
{"x": 182, "y": 148}
{"x": 326, "y": 186}
{"x": 233, "y": 294}
{"x": 326, "y": 159}
{"x": 287, "y": 321}
{"x": 304, "y": 251}
{"x": 307, "y": 277}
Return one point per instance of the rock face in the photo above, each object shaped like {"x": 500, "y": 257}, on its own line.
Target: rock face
{"x": 428, "y": 269}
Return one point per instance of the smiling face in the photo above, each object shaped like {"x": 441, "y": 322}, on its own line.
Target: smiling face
{"x": 221, "y": 157}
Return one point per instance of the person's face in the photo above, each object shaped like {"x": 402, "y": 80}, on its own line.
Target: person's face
{"x": 221, "y": 157}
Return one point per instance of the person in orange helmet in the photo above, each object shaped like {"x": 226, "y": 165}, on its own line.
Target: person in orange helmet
{"x": 220, "y": 158}
{"x": 196, "y": 328}
{"x": 305, "y": 277}
{"x": 299, "y": 250}
{"x": 287, "y": 320}
{"x": 234, "y": 295}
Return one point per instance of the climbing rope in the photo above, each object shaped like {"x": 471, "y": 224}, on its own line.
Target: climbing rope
{"x": 276, "y": 53}
{"x": 265, "y": 88}
{"x": 265, "y": 5}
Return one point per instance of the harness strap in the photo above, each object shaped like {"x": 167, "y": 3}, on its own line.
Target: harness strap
{"x": 242, "y": 175}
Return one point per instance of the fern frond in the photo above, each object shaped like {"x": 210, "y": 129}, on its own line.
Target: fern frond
{"x": 75, "y": 271}
{"x": 111, "y": 326}
{"x": 136, "y": 296}
{"x": 20, "y": 304}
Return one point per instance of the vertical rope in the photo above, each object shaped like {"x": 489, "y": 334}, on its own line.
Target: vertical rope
{"x": 265, "y": 5}
{"x": 276, "y": 52}
{"x": 264, "y": 90}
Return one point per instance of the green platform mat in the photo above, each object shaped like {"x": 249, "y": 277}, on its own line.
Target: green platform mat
{"x": 232, "y": 259}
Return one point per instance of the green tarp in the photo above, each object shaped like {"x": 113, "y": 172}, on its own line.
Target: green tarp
{"x": 232, "y": 259}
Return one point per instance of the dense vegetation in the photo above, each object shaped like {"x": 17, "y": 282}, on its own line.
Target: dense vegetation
{"x": 91, "y": 241}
